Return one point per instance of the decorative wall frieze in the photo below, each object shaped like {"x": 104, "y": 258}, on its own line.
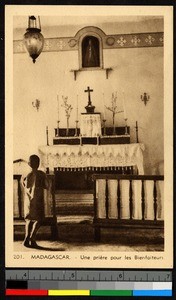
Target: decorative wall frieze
{"x": 151, "y": 39}
{"x": 136, "y": 40}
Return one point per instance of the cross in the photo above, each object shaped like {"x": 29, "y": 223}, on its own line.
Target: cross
{"x": 88, "y": 91}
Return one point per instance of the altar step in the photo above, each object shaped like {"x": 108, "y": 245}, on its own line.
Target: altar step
{"x": 70, "y": 203}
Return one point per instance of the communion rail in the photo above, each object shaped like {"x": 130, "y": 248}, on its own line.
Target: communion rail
{"x": 128, "y": 201}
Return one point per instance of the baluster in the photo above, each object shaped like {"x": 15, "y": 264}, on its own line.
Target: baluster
{"x": 118, "y": 199}
{"x": 155, "y": 199}
{"x": 97, "y": 232}
{"x": 131, "y": 199}
{"x": 143, "y": 199}
{"x": 95, "y": 199}
{"x": 54, "y": 228}
{"x": 19, "y": 198}
{"x": 106, "y": 198}
{"x": 132, "y": 170}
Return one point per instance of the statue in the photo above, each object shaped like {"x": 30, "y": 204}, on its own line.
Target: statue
{"x": 90, "y": 52}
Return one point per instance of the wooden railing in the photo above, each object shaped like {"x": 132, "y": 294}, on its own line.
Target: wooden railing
{"x": 17, "y": 198}
{"x": 128, "y": 200}
{"x": 49, "y": 203}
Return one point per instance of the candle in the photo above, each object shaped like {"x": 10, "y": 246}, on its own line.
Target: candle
{"x": 77, "y": 108}
{"x": 58, "y": 106}
{"x": 124, "y": 108}
{"x": 137, "y": 140}
{"x": 47, "y": 141}
{"x": 104, "y": 109}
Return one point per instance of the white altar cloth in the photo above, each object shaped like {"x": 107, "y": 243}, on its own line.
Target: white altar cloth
{"x": 94, "y": 156}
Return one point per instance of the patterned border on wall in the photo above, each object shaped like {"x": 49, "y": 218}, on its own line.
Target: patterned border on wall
{"x": 136, "y": 40}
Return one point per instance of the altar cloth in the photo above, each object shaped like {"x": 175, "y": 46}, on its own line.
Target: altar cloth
{"x": 98, "y": 156}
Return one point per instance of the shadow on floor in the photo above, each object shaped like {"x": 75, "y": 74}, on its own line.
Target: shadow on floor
{"x": 82, "y": 235}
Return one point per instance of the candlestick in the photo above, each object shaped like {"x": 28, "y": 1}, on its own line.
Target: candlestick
{"x": 58, "y": 127}
{"x": 126, "y": 127}
{"x": 137, "y": 140}
{"x": 104, "y": 127}
{"x": 76, "y": 129}
{"x": 80, "y": 139}
{"x": 58, "y": 106}
{"x": 77, "y": 107}
{"x": 104, "y": 109}
{"x": 97, "y": 139}
{"x": 47, "y": 141}
{"x": 124, "y": 109}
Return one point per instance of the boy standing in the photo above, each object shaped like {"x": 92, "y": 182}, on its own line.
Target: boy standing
{"x": 34, "y": 184}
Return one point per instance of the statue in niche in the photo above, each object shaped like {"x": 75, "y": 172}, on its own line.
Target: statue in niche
{"x": 90, "y": 52}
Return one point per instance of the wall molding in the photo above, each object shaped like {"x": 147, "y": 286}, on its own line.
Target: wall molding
{"x": 117, "y": 41}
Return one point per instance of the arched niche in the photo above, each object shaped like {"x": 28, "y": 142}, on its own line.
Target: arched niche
{"x": 96, "y": 37}
{"x": 90, "y": 51}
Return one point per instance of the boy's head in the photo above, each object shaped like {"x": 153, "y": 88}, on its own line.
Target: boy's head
{"x": 34, "y": 161}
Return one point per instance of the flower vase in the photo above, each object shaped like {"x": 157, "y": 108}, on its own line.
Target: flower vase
{"x": 114, "y": 129}
{"x": 67, "y": 129}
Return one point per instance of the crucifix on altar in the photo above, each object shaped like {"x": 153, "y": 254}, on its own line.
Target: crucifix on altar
{"x": 89, "y": 108}
{"x": 90, "y": 125}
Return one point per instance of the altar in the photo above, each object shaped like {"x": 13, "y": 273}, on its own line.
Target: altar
{"x": 78, "y": 153}
{"x": 92, "y": 157}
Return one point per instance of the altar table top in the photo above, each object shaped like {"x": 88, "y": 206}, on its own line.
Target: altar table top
{"x": 77, "y": 156}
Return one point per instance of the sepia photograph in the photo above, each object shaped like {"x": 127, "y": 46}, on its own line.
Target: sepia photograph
{"x": 89, "y": 136}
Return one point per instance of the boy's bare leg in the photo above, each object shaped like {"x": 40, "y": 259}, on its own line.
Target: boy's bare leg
{"x": 35, "y": 228}
{"x": 28, "y": 229}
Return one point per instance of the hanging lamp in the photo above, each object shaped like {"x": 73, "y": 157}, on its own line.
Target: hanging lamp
{"x": 33, "y": 39}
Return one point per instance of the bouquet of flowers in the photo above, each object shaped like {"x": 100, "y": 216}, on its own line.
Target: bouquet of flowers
{"x": 113, "y": 109}
{"x": 68, "y": 108}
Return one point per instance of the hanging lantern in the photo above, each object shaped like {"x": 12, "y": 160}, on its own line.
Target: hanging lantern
{"x": 33, "y": 39}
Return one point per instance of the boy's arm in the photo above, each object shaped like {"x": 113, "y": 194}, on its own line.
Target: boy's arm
{"x": 30, "y": 190}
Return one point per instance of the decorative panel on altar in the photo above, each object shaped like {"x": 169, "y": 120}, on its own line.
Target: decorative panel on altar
{"x": 90, "y": 125}
{"x": 120, "y": 137}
